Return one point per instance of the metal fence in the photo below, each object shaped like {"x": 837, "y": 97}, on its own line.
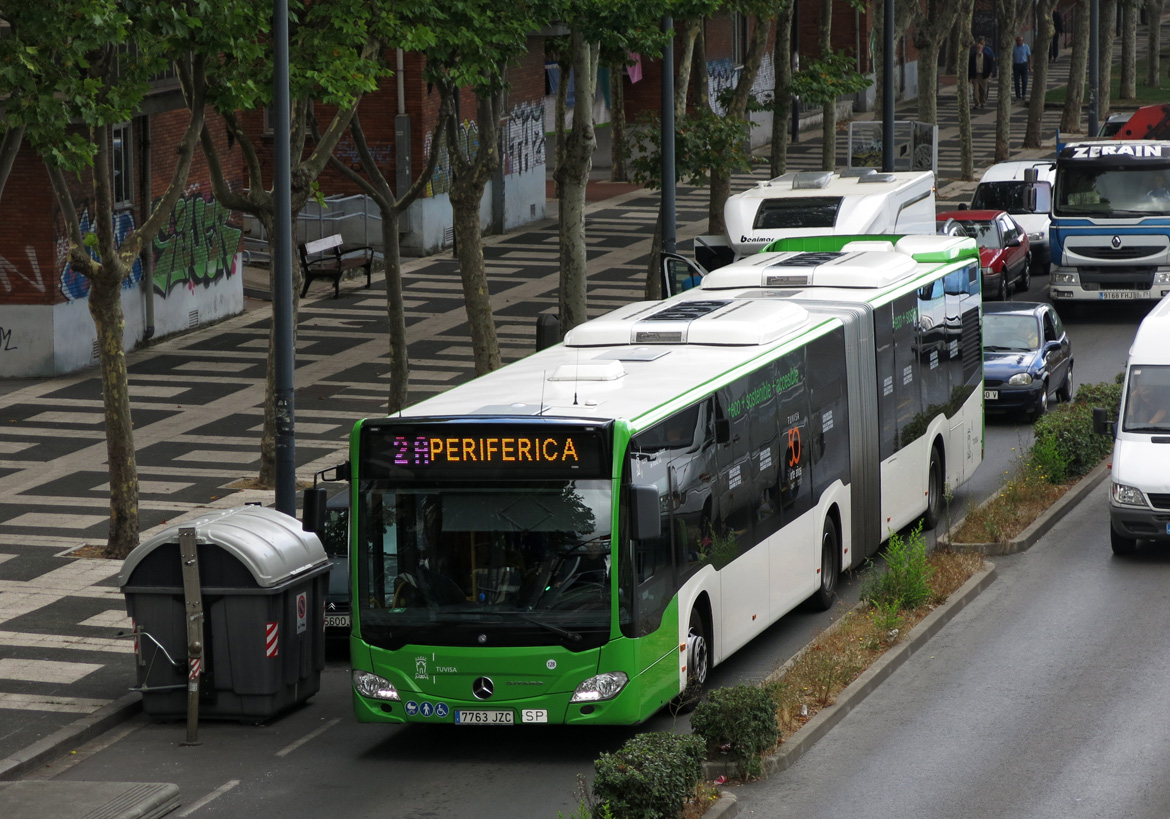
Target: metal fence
{"x": 356, "y": 218}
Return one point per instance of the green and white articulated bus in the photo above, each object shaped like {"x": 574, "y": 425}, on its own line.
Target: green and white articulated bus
{"x": 578, "y": 537}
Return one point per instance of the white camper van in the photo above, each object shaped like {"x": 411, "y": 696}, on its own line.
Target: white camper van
{"x": 1005, "y": 186}
{"x": 1139, "y": 503}
{"x": 857, "y": 201}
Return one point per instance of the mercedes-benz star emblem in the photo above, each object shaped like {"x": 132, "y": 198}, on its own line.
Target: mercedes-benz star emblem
{"x": 483, "y": 688}
{"x": 1117, "y": 243}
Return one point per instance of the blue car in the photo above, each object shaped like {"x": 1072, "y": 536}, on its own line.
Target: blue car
{"x": 1027, "y": 357}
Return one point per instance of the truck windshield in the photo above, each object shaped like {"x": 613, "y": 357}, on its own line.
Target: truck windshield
{"x": 1147, "y": 399}
{"x": 1007, "y": 196}
{"x": 1120, "y": 192}
{"x": 465, "y": 563}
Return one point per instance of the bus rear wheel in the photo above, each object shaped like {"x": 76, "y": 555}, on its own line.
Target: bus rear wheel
{"x": 698, "y": 666}
{"x": 826, "y": 593}
{"x": 934, "y": 491}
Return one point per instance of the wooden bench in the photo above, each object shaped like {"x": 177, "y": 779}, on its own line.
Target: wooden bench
{"x": 326, "y": 259}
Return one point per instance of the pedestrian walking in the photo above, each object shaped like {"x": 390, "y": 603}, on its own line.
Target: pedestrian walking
{"x": 1021, "y": 63}
{"x": 980, "y": 67}
{"x": 987, "y": 49}
{"x": 1057, "y": 30}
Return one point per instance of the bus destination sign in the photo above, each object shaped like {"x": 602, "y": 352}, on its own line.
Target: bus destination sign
{"x": 450, "y": 451}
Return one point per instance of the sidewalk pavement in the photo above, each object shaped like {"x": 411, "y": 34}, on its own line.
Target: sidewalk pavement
{"x": 66, "y": 660}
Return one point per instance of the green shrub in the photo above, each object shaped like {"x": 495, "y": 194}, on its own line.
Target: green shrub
{"x": 650, "y": 777}
{"x": 1065, "y": 437}
{"x": 1102, "y": 394}
{"x": 739, "y": 722}
{"x": 906, "y": 581}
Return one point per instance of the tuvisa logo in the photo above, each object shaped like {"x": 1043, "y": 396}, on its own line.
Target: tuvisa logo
{"x": 420, "y": 668}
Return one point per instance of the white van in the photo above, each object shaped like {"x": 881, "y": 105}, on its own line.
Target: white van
{"x": 1139, "y": 503}
{"x": 1004, "y": 186}
{"x": 857, "y": 201}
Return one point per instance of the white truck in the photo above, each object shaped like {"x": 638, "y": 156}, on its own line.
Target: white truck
{"x": 1139, "y": 498}
{"x": 854, "y": 202}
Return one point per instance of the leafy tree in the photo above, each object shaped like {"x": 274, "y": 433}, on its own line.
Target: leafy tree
{"x": 335, "y": 57}
{"x": 781, "y": 103}
{"x": 963, "y": 45}
{"x": 1070, "y": 119}
{"x": 475, "y": 43}
{"x": 615, "y": 25}
{"x": 391, "y": 206}
{"x": 821, "y": 82}
{"x": 1011, "y": 14}
{"x": 932, "y": 24}
{"x": 1039, "y": 80}
{"x": 74, "y": 69}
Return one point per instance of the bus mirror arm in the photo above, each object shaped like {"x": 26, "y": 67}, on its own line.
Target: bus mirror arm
{"x": 645, "y": 517}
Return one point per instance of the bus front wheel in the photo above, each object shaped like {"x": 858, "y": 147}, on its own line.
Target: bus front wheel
{"x": 698, "y": 665}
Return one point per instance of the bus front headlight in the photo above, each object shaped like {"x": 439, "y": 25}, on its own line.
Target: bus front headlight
{"x": 602, "y": 687}
{"x": 373, "y": 686}
{"x": 1128, "y": 495}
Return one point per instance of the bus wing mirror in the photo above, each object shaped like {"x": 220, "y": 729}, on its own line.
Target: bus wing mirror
{"x": 548, "y": 331}
{"x": 313, "y": 510}
{"x": 1101, "y": 423}
{"x": 722, "y": 430}
{"x": 645, "y": 517}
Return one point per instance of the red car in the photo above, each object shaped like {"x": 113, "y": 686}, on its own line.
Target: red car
{"x": 1005, "y": 258}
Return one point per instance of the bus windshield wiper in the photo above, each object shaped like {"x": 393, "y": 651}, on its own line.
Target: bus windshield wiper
{"x": 570, "y": 635}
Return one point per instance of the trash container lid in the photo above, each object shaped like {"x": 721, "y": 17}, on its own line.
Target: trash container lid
{"x": 271, "y": 544}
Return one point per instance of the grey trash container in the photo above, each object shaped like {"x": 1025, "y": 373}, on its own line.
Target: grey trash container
{"x": 264, "y": 582}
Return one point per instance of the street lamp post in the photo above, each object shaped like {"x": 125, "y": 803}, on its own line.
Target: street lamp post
{"x": 282, "y": 291}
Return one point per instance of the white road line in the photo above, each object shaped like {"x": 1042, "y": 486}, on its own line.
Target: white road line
{"x": 215, "y": 794}
{"x": 288, "y": 749}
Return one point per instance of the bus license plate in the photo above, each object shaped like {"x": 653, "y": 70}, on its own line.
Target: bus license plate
{"x": 990, "y": 395}
{"x": 1119, "y": 295}
{"x": 484, "y": 716}
{"x": 336, "y": 621}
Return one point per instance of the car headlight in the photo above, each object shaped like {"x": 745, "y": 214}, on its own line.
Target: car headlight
{"x": 1020, "y": 380}
{"x": 602, "y": 687}
{"x": 373, "y": 686}
{"x": 1039, "y": 236}
{"x": 986, "y": 271}
{"x": 1162, "y": 278}
{"x": 1128, "y": 495}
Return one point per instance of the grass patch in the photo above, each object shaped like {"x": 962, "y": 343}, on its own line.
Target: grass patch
{"x": 814, "y": 678}
{"x": 1023, "y": 498}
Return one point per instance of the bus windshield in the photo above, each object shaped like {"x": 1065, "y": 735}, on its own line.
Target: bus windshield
{"x": 506, "y": 563}
{"x": 1117, "y": 191}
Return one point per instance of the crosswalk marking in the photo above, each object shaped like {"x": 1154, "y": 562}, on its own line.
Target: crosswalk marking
{"x": 45, "y": 671}
{"x": 42, "y": 702}
{"x": 14, "y": 639}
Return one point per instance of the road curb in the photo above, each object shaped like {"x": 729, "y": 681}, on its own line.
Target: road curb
{"x": 1027, "y": 538}
{"x": 803, "y": 740}
{"x": 75, "y": 734}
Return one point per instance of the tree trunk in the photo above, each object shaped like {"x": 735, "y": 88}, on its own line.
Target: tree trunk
{"x": 965, "y": 42}
{"x": 928, "y": 82}
{"x": 1039, "y": 79}
{"x": 105, "y": 306}
{"x": 828, "y": 109}
{"x": 1070, "y": 120}
{"x": 1108, "y": 15}
{"x": 572, "y": 176}
{"x": 1003, "y": 85}
{"x": 1153, "y": 39}
{"x": 619, "y": 150}
{"x": 782, "y": 112}
{"x": 1129, "y": 19}
{"x": 653, "y": 289}
{"x": 686, "y": 63}
{"x": 702, "y": 78}
{"x": 466, "y": 194}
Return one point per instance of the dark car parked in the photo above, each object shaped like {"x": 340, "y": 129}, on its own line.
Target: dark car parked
{"x": 1005, "y": 257}
{"x": 335, "y": 539}
{"x": 1027, "y": 356}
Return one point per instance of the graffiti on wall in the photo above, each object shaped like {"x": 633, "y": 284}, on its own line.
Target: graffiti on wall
{"x": 198, "y": 246}
{"x": 347, "y": 152}
{"x": 524, "y": 142}
{"x": 722, "y": 74}
{"x": 468, "y": 136}
{"x": 35, "y": 281}
{"x": 76, "y": 286}
{"x": 6, "y": 340}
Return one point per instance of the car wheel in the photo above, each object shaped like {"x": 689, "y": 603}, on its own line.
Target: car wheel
{"x": 1065, "y": 392}
{"x": 826, "y": 593}
{"x": 1025, "y": 275}
{"x": 1121, "y": 544}
{"x": 698, "y": 666}
{"x": 1042, "y": 403}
